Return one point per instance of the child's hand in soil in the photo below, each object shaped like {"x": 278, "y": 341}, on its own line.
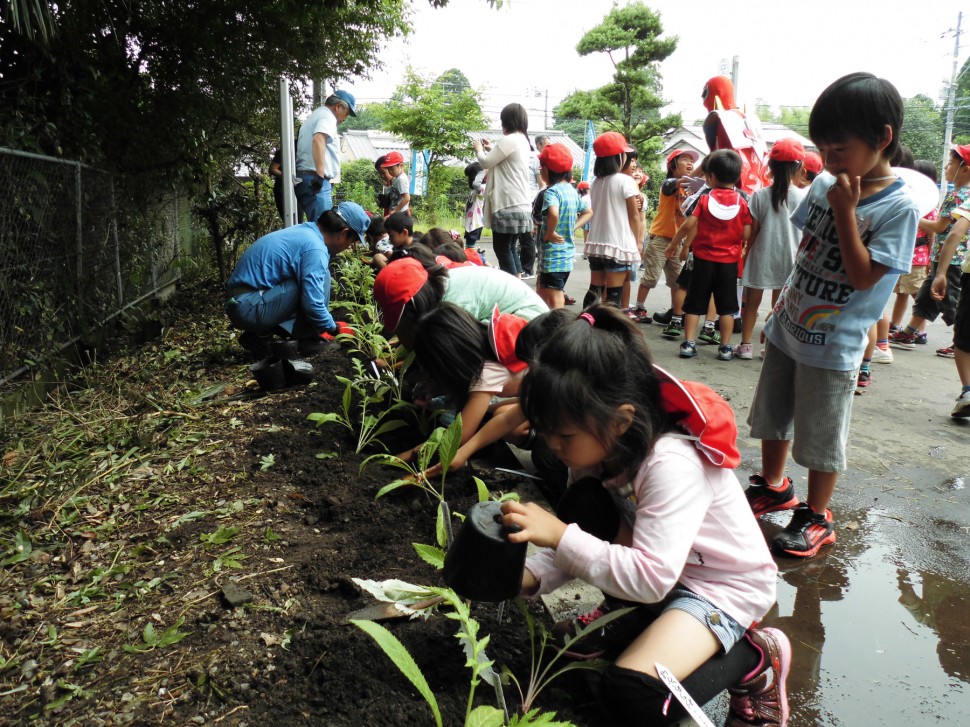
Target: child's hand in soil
{"x": 537, "y": 525}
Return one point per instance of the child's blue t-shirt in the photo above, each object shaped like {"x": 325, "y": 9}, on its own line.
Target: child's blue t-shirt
{"x": 820, "y": 319}
{"x": 557, "y": 257}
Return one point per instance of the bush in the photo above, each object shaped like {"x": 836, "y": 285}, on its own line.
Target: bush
{"x": 360, "y": 183}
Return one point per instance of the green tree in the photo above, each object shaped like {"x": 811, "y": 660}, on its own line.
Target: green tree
{"x": 437, "y": 116}
{"x": 961, "y": 99}
{"x": 631, "y": 102}
{"x": 922, "y": 128}
{"x": 368, "y": 117}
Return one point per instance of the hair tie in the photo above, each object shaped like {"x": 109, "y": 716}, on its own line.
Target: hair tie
{"x": 588, "y": 318}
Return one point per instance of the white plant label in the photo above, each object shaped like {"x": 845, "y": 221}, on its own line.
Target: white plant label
{"x": 677, "y": 689}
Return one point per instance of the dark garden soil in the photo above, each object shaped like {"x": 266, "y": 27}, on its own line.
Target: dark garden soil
{"x": 155, "y": 480}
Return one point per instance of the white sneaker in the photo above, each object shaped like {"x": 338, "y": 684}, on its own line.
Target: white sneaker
{"x": 883, "y": 357}
{"x": 962, "y": 408}
{"x": 745, "y": 351}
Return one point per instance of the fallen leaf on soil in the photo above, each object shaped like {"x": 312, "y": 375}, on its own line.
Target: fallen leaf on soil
{"x": 269, "y": 639}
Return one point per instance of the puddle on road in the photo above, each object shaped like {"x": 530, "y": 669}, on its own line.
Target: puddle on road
{"x": 951, "y": 483}
{"x": 875, "y": 638}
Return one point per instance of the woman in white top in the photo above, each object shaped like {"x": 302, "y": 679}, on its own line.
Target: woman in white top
{"x": 508, "y": 203}
{"x": 612, "y": 245}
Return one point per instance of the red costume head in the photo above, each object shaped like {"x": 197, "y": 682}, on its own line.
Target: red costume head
{"x": 719, "y": 87}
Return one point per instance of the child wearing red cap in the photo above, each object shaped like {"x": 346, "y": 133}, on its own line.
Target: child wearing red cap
{"x": 561, "y": 211}
{"x": 770, "y": 253}
{"x": 612, "y": 246}
{"x": 398, "y": 190}
{"x": 811, "y": 166}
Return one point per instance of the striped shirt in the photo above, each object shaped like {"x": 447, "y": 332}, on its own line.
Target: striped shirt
{"x": 557, "y": 257}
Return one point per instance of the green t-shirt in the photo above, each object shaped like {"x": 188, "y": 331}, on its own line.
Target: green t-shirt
{"x": 478, "y": 290}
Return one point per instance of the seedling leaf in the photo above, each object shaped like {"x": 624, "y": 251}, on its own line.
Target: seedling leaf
{"x": 402, "y": 660}
{"x": 431, "y": 555}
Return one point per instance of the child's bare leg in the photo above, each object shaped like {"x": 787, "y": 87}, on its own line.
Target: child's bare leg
{"x": 962, "y": 360}
{"x": 749, "y": 316}
{"x": 677, "y": 297}
{"x": 626, "y": 292}
{"x": 774, "y": 456}
{"x": 677, "y": 640}
{"x": 899, "y": 308}
{"x": 725, "y": 325}
{"x": 821, "y": 485}
{"x": 690, "y": 326}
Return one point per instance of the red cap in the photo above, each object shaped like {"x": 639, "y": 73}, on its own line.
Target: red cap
{"x": 392, "y": 159}
{"x": 813, "y": 162}
{"x": 582, "y": 185}
{"x": 557, "y": 158}
{"x": 694, "y": 156}
{"x": 610, "y": 144}
{"x": 962, "y": 151}
{"x": 787, "y": 150}
{"x": 395, "y": 286}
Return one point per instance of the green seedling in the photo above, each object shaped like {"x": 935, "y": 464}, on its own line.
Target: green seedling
{"x": 269, "y": 536}
{"x": 70, "y": 691}
{"x": 540, "y": 673}
{"x": 220, "y": 537}
{"x": 266, "y": 462}
{"x": 151, "y": 639}
{"x": 229, "y": 559}
{"x": 88, "y": 657}
{"x": 443, "y": 442}
{"x": 22, "y": 548}
{"x": 473, "y": 644}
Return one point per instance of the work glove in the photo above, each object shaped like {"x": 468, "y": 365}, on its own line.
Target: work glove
{"x": 340, "y": 327}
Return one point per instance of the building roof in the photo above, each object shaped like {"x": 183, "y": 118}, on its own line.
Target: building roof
{"x": 691, "y": 136}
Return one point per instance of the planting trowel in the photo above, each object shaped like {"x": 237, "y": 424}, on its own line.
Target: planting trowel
{"x": 390, "y": 611}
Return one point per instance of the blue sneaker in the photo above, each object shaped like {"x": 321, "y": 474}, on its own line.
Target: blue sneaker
{"x": 725, "y": 352}
{"x": 688, "y": 349}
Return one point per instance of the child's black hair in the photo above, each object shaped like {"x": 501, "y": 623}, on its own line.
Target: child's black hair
{"x": 725, "y": 166}
{"x": 605, "y": 166}
{"x": 436, "y": 236}
{"x": 471, "y": 173}
{"x": 672, "y": 166}
{"x": 453, "y": 251}
{"x": 782, "y": 174}
{"x": 537, "y": 331}
{"x": 585, "y": 372}
{"x": 903, "y": 157}
{"x": 375, "y": 230}
{"x": 557, "y": 177}
{"x": 379, "y": 162}
{"x": 399, "y": 222}
{"x": 452, "y": 347}
{"x": 925, "y": 166}
{"x": 861, "y": 105}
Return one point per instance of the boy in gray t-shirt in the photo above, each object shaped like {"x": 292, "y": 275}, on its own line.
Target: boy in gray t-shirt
{"x": 398, "y": 190}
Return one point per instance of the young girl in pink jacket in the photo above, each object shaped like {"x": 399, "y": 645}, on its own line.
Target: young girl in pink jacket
{"x": 656, "y": 519}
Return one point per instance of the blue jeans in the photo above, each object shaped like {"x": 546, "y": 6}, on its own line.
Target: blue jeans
{"x": 264, "y": 310}
{"x": 311, "y": 203}
{"x": 504, "y": 246}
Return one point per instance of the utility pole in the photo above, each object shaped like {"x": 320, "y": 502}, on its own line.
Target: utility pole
{"x": 951, "y": 100}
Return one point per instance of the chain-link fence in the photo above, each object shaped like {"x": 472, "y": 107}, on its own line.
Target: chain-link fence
{"x": 77, "y": 246}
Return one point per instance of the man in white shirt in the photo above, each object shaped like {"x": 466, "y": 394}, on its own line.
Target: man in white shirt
{"x": 318, "y": 154}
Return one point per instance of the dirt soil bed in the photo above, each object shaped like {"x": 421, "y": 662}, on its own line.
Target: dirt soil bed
{"x": 155, "y": 481}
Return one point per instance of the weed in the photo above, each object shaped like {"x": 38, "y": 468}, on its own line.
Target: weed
{"x": 266, "y": 462}
{"x": 151, "y": 639}
{"x": 220, "y": 537}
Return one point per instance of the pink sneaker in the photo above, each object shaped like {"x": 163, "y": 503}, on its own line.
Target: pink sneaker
{"x": 762, "y": 700}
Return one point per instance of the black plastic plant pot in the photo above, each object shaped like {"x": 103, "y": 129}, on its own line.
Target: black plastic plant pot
{"x": 269, "y": 374}
{"x": 298, "y": 373}
{"x": 482, "y": 565}
{"x": 284, "y": 348}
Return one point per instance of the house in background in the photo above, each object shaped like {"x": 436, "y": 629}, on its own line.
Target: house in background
{"x": 692, "y": 137}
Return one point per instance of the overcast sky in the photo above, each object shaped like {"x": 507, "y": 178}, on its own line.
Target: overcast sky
{"x": 787, "y": 52}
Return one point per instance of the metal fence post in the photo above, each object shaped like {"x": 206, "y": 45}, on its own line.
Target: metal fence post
{"x": 114, "y": 234}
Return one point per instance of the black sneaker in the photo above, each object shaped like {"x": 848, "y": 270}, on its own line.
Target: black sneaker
{"x": 764, "y": 499}
{"x": 663, "y": 317}
{"x": 806, "y": 533}
{"x": 608, "y": 640}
